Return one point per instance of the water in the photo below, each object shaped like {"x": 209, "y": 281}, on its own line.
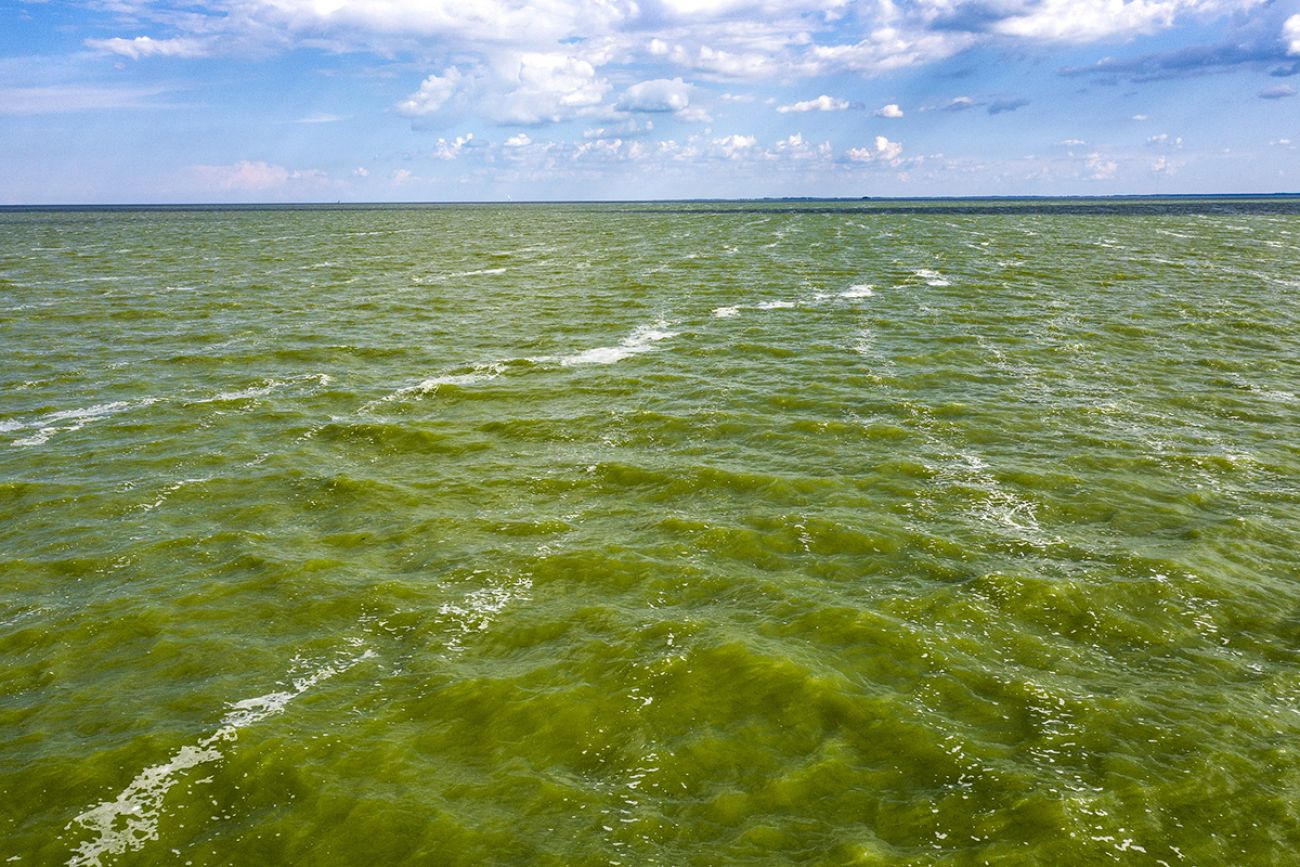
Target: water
{"x": 713, "y": 534}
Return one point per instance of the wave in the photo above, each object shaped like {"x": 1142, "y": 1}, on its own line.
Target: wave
{"x": 69, "y": 420}
{"x": 642, "y": 339}
{"x": 130, "y": 820}
{"x": 860, "y": 290}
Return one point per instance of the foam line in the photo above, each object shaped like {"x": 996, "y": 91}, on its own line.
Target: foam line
{"x": 130, "y": 820}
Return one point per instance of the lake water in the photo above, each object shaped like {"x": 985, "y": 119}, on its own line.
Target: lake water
{"x": 856, "y": 533}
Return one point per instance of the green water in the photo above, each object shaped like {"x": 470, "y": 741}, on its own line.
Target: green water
{"x": 677, "y": 535}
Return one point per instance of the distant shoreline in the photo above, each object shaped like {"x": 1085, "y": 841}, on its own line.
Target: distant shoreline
{"x": 1114, "y": 204}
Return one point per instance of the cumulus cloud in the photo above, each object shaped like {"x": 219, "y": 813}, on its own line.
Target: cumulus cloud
{"x": 433, "y": 94}
{"x": 519, "y": 141}
{"x": 821, "y": 103}
{"x": 656, "y": 95}
{"x": 734, "y": 146}
{"x": 885, "y": 151}
{"x": 1291, "y": 33}
{"x": 961, "y": 103}
{"x": 1092, "y": 20}
{"x": 891, "y": 111}
{"x": 550, "y": 87}
{"x": 1100, "y": 168}
{"x": 449, "y": 150}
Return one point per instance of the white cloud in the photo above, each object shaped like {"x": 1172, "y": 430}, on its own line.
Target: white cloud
{"x": 888, "y": 49}
{"x": 1291, "y": 33}
{"x": 1141, "y": 117}
{"x": 659, "y": 94}
{"x": 734, "y": 146}
{"x": 821, "y": 103}
{"x": 1092, "y": 20}
{"x": 886, "y": 151}
{"x": 1100, "y": 168}
{"x": 361, "y": 172}
{"x": 694, "y": 114}
{"x": 796, "y": 147}
{"x": 433, "y": 94}
{"x": 724, "y": 63}
{"x": 449, "y": 150}
{"x": 519, "y": 141}
{"x": 400, "y": 177}
{"x": 550, "y": 87}
{"x": 630, "y": 127}
{"x": 320, "y": 118}
{"x": 892, "y": 111}
{"x": 145, "y": 46}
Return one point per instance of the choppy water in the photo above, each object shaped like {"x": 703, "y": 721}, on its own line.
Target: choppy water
{"x": 650, "y": 535}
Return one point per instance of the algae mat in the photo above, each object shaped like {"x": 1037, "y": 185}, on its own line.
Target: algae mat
{"x": 651, "y": 534}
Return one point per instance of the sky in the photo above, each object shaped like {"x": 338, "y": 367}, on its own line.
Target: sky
{"x": 168, "y": 101}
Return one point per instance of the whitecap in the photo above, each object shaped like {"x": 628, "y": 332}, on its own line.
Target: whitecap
{"x": 860, "y": 290}
{"x": 480, "y": 373}
{"x": 130, "y": 820}
{"x": 642, "y": 339}
{"x": 932, "y": 278}
{"x": 724, "y": 312}
{"x": 52, "y": 423}
{"x": 774, "y": 305}
{"x": 268, "y": 386}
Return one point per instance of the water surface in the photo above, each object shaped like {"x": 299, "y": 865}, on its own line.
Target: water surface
{"x": 667, "y": 534}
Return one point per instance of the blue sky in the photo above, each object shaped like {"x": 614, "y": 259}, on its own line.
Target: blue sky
{"x": 435, "y": 100}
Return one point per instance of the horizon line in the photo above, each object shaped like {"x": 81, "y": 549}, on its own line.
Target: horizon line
{"x": 691, "y": 200}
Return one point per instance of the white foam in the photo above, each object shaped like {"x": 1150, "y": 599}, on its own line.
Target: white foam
{"x": 724, "y": 312}
{"x": 774, "y": 305}
{"x": 932, "y": 278}
{"x": 642, "y": 339}
{"x": 52, "y": 423}
{"x": 270, "y": 385}
{"x": 479, "y": 608}
{"x": 130, "y": 820}
{"x": 480, "y": 373}
{"x": 860, "y": 290}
